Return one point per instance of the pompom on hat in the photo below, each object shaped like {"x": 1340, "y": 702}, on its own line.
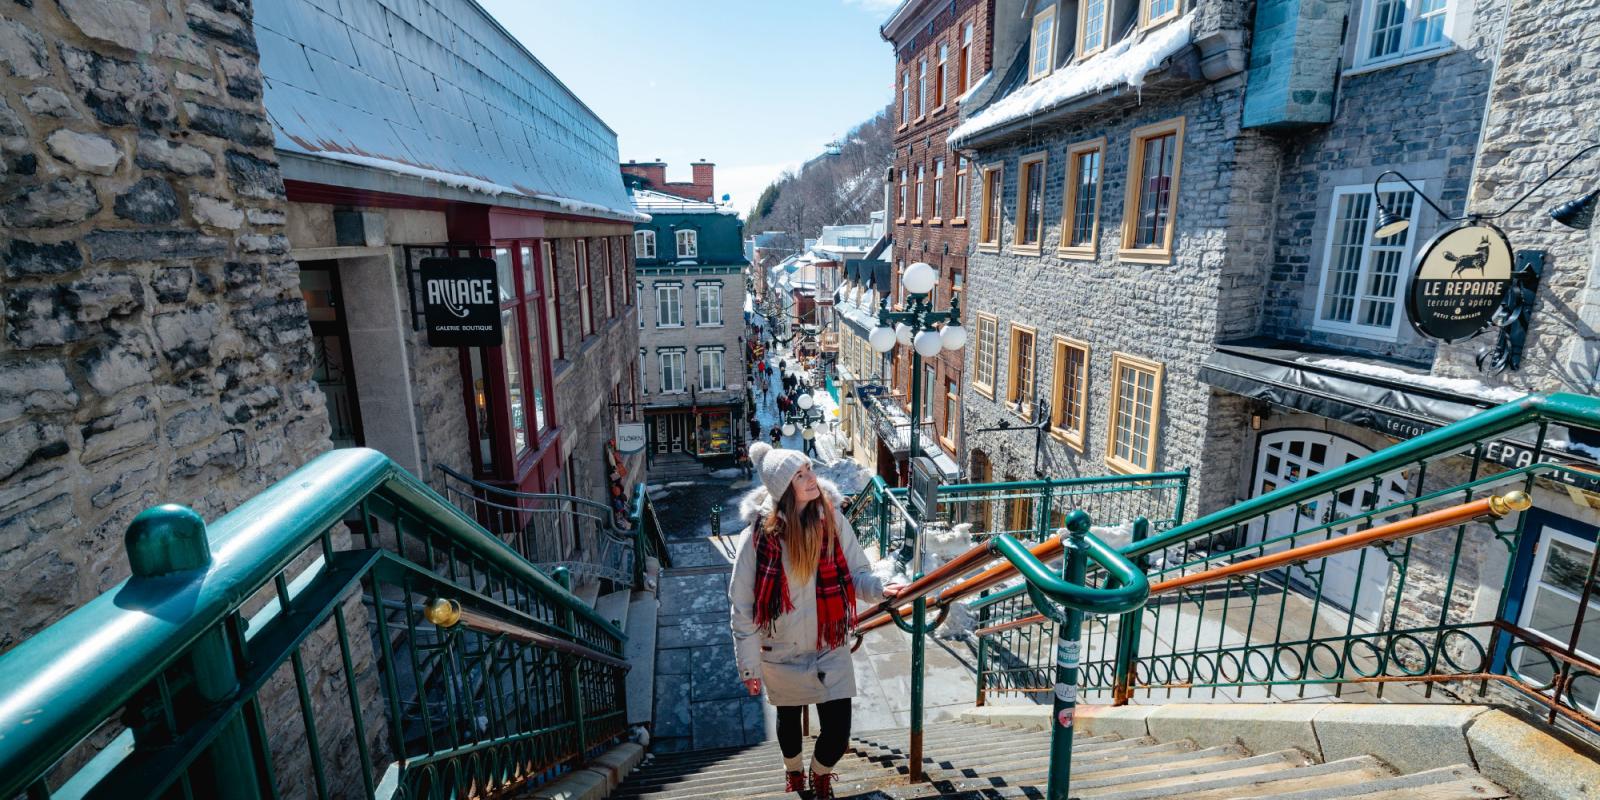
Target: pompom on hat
{"x": 776, "y": 466}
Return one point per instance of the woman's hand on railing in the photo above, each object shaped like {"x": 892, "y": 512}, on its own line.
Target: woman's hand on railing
{"x": 893, "y": 590}
{"x": 753, "y": 686}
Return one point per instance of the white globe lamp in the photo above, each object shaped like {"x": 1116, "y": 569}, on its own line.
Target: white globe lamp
{"x": 902, "y": 333}
{"x": 919, "y": 278}
{"x": 928, "y": 344}
{"x": 806, "y": 401}
{"x": 808, "y": 433}
{"x": 882, "y": 339}
{"x": 954, "y": 336}
{"x": 788, "y": 429}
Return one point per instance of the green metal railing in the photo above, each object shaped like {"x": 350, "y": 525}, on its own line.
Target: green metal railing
{"x": 294, "y": 648}
{"x": 1435, "y": 615}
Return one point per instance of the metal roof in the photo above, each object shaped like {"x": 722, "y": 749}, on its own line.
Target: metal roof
{"x": 433, "y": 89}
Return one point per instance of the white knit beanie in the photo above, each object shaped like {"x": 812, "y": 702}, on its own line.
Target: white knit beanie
{"x": 776, "y": 466}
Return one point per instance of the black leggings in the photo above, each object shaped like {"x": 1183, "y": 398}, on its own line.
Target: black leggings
{"x": 834, "y": 717}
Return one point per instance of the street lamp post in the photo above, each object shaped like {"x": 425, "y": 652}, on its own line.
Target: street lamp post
{"x": 928, "y": 332}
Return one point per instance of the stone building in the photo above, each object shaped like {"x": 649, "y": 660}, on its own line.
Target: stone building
{"x": 155, "y": 345}
{"x": 535, "y": 414}
{"x": 691, "y": 373}
{"x": 943, "y": 58}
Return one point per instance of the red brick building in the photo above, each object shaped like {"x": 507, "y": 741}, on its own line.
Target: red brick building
{"x": 942, "y": 51}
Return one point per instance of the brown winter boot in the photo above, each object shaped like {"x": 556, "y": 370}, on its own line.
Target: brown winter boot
{"x": 794, "y": 781}
{"x": 822, "y": 786}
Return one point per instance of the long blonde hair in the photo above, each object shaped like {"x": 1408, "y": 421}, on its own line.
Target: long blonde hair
{"x": 804, "y": 532}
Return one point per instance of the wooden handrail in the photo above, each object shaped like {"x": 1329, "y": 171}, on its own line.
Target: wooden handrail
{"x": 445, "y": 613}
{"x": 878, "y": 615}
{"x": 1496, "y": 507}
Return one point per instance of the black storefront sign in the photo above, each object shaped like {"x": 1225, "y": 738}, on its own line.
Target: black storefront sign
{"x": 460, "y": 302}
{"x": 1461, "y": 280}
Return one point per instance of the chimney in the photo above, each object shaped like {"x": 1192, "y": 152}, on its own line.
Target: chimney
{"x": 703, "y": 178}
{"x": 655, "y": 172}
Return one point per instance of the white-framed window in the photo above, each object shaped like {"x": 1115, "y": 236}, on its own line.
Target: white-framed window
{"x": 1041, "y": 52}
{"x": 1551, "y": 610}
{"x": 903, "y": 190}
{"x": 939, "y": 74}
{"x": 669, "y": 308}
{"x": 671, "y": 371}
{"x": 708, "y": 304}
{"x": 905, "y": 97}
{"x": 580, "y": 254}
{"x": 1362, "y": 277}
{"x": 1397, "y": 29}
{"x": 644, "y": 374}
{"x": 688, "y": 244}
{"x": 962, "y": 170}
{"x": 644, "y": 243}
{"x": 711, "y": 370}
{"x": 922, "y": 87}
{"x": 938, "y": 189}
{"x": 921, "y": 173}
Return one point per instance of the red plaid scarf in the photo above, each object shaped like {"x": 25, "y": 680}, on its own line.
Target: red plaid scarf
{"x": 836, "y": 592}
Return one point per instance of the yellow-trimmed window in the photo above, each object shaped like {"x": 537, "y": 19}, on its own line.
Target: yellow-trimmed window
{"x": 1135, "y": 413}
{"x": 1069, "y": 392}
{"x": 1021, "y": 371}
{"x": 989, "y": 223}
{"x": 1041, "y": 44}
{"x": 952, "y": 414}
{"x": 1030, "y": 203}
{"x": 1155, "y": 12}
{"x": 984, "y": 368}
{"x": 1080, "y": 213}
{"x": 1154, "y": 161}
{"x": 1094, "y": 23}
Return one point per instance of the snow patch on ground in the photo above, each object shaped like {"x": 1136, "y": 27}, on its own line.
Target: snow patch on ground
{"x": 1124, "y": 63}
{"x": 730, "y": 472}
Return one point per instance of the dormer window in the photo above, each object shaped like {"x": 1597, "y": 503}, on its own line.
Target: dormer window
{"x": 688, "y": 244}
{"x": 644, "y": 244}
{"x": 1041, "y": 53}
{"x": 1092, "y": 22}
{"x": 1155, "y": 12}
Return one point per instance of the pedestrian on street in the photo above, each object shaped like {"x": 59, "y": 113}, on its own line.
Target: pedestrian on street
{"x": 797, "y": 577}
{"x": 776, "y": 434}
{"x": 783, "y": 404}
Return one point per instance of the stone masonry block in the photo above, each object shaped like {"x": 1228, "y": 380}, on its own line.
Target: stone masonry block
{"x": 1259, "y": 728}
{"x": 1411, "y": 738}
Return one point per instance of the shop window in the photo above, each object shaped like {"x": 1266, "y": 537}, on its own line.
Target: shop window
{"x": 1080, "y": 217}
{"x": 1069, "y": 395}
{"x": 984, "y": 368}
{"x": 989, "y": 224}
{"x": 644, "y": 243}
{"x": 1135, "y": 413}
{"x": 1030, "y": 204}
{"x": 511, "y": 360}
{"x": 669, "y": 307}
{"x": 1555, "y": 607}
{"x": 1362, "y": 277}
{"x": 532, "y": 304}
{"x": 708, "y": 304}
{"x": 1395, "y": 29}
{"x": 714, "y": 433}
{"x": 1093, "y": 19}
{"x": 1021, "y": 372}
{"x": 1153, "y": 164}
{"x": 1041, "y": 46}
{"x": 711, "y": 374}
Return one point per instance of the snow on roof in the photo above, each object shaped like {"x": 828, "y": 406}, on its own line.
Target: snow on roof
{"x": 1126, "y": 62}
{"x": 976, "y": 87}
{"x": 1464, "y": 386}
{"x": 442, "y": 93}
{"x": 652, "y": 201}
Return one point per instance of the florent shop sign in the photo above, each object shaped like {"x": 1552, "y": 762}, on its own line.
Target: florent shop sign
{"x": 1461, "y": 281}
{"x": 460, "y": 302}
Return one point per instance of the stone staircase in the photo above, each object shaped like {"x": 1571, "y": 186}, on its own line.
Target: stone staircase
{"x": 969, "y": 759}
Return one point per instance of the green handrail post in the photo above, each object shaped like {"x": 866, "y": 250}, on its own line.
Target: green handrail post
{"x": 640, "y": 538}
{"x": 1042, "y": 515}
{"x": 883, "y": 516}
{"x": 170, "y": 539}
{"x": 1130, "y": 626}
{"x": 983, "y": 650}
{"x": 1183, "y": 497}
{"x": 1068, "y": 653}
{"x": 571, "y": 676}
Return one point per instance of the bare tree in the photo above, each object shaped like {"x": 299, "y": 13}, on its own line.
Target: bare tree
{"x": 841, "y": 186}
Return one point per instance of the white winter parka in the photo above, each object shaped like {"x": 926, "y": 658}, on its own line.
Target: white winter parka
{"x": 788, "y": 663}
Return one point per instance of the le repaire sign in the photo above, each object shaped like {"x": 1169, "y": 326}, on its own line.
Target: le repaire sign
{"x": 460, "y": 302}
{"x": 1461, "y": 281}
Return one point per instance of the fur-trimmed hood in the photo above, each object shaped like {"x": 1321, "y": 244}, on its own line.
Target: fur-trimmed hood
{"x": 758, "y": 503}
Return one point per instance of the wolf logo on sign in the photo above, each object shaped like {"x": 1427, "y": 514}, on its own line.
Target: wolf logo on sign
{"x": 1477, "y": 260}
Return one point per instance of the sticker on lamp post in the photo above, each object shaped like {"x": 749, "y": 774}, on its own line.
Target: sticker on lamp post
{"x": 460, "y": 302}
{"x": 1461, "y": 280}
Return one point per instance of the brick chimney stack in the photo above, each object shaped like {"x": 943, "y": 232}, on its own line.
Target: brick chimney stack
{"x": 703, "y": 178}
{"x": 653, "y": 171}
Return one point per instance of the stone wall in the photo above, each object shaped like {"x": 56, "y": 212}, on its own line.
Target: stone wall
{"x": 155, "y": 344}
{"x": 691, "y": 335}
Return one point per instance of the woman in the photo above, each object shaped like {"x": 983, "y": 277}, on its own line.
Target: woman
{"x": 793, "y": 596}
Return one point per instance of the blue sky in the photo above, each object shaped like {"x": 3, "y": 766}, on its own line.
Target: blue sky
{"x": 756, "y": 86}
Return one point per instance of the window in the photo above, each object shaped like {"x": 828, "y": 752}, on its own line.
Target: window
{"x": 1069, "y": 393}
{"x": 989, "y": 224}
{"x": 1030, "y": 203}
{"x": 930, "y": 383}
{"x": 638, "y": 311}
{"x": 1135, "y": 412}
{"x": 1362, "y": 277}
{"x": 644, "y": 382}
{"x": 921, "y": 169}
{"x": 644, "y": 242}
{"x": 1092, "y": 18}
{"x": 532, "y": 302}
{"x": 905, "y": 97}
{"x": 1399, "y": 28}
{"x": 961, "y": 189}
{"x": 669, "y": 312}
{"x": 671, "y": 371}
{"x": 1019, "y": 378}
{"x": 610, "y": 289}
{"x": 1080, "y": 216}
{"x": 964, "y": 61}
{"x": 580, "y": 255}
{"x": 688, "y": 244}
{"x": 552, "y": 302}
{"x": 939, "y": 73}
{"x": 904, "y": 188}
{"x": 708, "y": 304}
{"x": 1147, "y": 221}
{"x": 952, "y": 414}
{"x": 983, "y": 373}
{"x": 938, "y": 189}
{"x": 627, "y": 273}
{"x": 922, "y": 87}
{"x": 711, "y": 370}
{"x": 1562, "y": 595}
{"x": 511, "y": 358}
{"x": 1155, "y": 12}
{"x": 1041, "y": 52}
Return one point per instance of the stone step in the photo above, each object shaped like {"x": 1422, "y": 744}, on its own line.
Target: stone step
{"x": 613, "y": 607}
{"x": 1242, "y": 782}
{"x": 1459, "y": 782}
{"x": 588, "y": 591}
{"x": 640, "y": 651}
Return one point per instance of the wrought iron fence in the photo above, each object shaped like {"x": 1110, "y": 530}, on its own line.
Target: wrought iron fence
{"x": 346, "y": 632}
